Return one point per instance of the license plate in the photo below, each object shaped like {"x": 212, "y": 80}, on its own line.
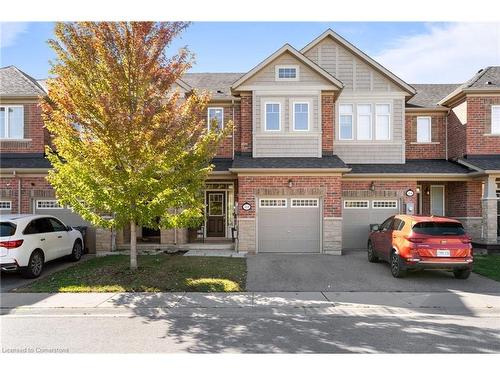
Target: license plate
{"x": 443, "y": 253}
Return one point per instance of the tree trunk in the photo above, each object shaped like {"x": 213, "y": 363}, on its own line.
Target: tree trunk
{"x": 133, "y": 246}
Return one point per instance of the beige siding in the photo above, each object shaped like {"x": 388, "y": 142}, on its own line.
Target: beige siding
{"x": 266, "y": 76}
{"x": 286, "y": 142}
{"x": 374, "y": 151}
{"x": 355, "y": 74}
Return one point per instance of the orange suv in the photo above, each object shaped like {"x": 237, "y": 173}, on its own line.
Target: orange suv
{"x": 413, "y": 242}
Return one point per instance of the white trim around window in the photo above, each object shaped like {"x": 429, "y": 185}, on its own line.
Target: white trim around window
{"x": 221, "y": 109}
{"x": 346, "y": 115}
{"x": 383, "y": 121}
{"x": 301, "y": 105}
{"x": 424, "y": 129}
{"x": 379, "y": 204}
{"x": 5, "y": 205}
{"x": 48, "y": 204}
{"x": 364, "y": 122}
{"x": 356, "y": 204}
{"x": 495, "y": 119}
{"x": 272, "y": 203}
{"x": 287, "y": 72}
{"x": 6, "y": 128}
{"x": 279, "y": 116}
{"x": 304, "y": 202}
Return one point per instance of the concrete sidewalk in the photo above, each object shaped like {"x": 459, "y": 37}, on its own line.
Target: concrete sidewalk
{"x": 314, "y": 302}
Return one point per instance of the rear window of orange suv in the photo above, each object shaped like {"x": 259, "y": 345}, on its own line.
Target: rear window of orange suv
{"x": 439, "y": 228}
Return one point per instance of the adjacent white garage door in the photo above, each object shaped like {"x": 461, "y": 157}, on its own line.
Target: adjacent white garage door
{"x": 358, "y": 214}
{"x": 289, "y": 225}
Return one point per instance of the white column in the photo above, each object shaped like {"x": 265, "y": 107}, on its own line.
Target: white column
{"x": 490, "y": 209}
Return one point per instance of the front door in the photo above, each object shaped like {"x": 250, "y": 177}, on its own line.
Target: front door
{"x": 216, "y": 223}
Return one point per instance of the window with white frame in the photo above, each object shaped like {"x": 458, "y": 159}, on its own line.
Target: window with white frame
{"x": 273, "y": 117}
{"x": 269, "y": 202}
{"x": 12, "y": 122}
{"x": 495, "y": 119}
{"x": 301, "y": 116}
{"x": 216, "y": 117}
{"x": 5, "y": 205}
{"x": 355, "y": 204}
{"x": 364, "y": 125}
{"x": 424, "y": 129}
{"x": 48, "y": 204}
{"x": 287, "y": 73}
{"x": 385, "y": 204}
{"x": 305, "y": 202}
{"x": 345, "y": 121}
{"x": 382, "y": 122}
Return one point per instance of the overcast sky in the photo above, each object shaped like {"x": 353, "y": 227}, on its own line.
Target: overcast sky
{"x": 415, "y": 51}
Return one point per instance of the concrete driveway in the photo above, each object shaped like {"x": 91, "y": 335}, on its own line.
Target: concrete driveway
{"x": 349, "y": 272}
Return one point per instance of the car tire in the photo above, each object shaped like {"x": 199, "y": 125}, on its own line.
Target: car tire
{"x": 77, "y": 252}
{"x": 396, "y": 269}
{"x": 35, "y": 265}
{"x": 462, "y": 274}
{"x": 372, "y": 256}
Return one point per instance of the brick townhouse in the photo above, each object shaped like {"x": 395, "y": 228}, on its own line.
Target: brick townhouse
{"x": 326, "y": 141}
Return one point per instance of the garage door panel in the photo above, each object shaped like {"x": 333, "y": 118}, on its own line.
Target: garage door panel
{"x": 289, "y": 230}
{"x": 356, "y": 220}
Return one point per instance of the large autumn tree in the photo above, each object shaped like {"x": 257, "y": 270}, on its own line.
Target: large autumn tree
{"x": 128, "y": 147}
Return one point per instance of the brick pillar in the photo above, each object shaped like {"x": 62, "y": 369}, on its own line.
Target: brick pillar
{"x": 246, "y": 122}
{"x": 327, "y": 121}
{"x": 102, "y": 240}
{"x": 490, "y": 210}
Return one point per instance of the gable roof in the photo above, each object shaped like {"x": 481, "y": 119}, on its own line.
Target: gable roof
{"x": 487, "y": 79}
{"x": 363, "y": 56}
{"x": 288, "y": 48}
{"x": 14, "y": 82}
{"x": 429, "y": 95}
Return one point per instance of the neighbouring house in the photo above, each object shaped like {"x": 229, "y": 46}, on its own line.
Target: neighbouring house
{"x": 326, "y": 142}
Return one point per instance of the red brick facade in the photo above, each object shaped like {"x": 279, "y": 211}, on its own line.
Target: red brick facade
{"x": 457, "y": 135}
{"x": 246, "y": 123}
{"x": 479, "y": 142}
{"x": 231, "y": 113}
{"x": 434, "y": 150}
{"x": 327, "y": 122}
{"x": 34, "y": 132}
{"x": 330, "y": 185}
{"x": 31, "y": 187}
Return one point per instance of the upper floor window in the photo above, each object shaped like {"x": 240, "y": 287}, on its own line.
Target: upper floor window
{"x": 424, "y": 129}
{"x": 345, "y": 121}
{"x": 287, "y": 73}
{"x": 12, "y": 122}
{"x": 273, "y": 117}
{"x": 383, "y": 122}
{"x": 301, "y": 116}
{"x": 215, "y": 117}
{"x": 495, "y": 119}
{"x": 364, "y": 126}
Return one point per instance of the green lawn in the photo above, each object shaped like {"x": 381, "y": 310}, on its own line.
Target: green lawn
{"x": 487, "y": 265}
{"x": 156, "y": 273}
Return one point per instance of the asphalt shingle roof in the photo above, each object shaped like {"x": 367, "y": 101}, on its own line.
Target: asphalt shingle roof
{"x": 219, "y": 84}
{"x": 247, "y": 162}
{"x": 429, "y": 95}
{"x": 484, "y": 162}
{"x": 14, "y": 82}
{"x": 411, "y": 166}
{"x": 23, "y": 160}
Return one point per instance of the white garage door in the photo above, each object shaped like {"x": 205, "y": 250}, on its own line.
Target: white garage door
{"x": 289, "y": 225}
{"x": 358, "y": 214}
{"x": 5, "y": 207}
{"x": 52, "y": 207}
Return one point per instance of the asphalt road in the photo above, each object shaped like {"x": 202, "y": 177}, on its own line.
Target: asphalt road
{"x": 245, "y": 330}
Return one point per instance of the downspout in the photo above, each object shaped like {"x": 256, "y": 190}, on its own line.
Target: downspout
{"x": 18, "y": 192}
{"x": 446, "y": 134}
{"x": 232, "y": 104}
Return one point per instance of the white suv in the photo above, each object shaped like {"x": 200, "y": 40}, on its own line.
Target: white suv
{"x": 28, "y": 241}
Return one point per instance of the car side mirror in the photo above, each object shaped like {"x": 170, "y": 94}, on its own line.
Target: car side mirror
{"x": 374, "y": 227}
{"x": 69, "y": 228}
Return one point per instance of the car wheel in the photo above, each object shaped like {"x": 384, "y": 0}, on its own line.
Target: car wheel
{"x": 77, "y": 252}
{"x": 461, "y": 274}
{"x": 396, "y": 269}
{"x": 35, "y": 265}
{"x": 372, "y": 257}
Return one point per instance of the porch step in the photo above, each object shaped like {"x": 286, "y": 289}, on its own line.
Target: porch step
{"x": 214, "y": 253}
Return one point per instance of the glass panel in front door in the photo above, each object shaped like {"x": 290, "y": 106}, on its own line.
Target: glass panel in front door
{"x": 216, "y": 204}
